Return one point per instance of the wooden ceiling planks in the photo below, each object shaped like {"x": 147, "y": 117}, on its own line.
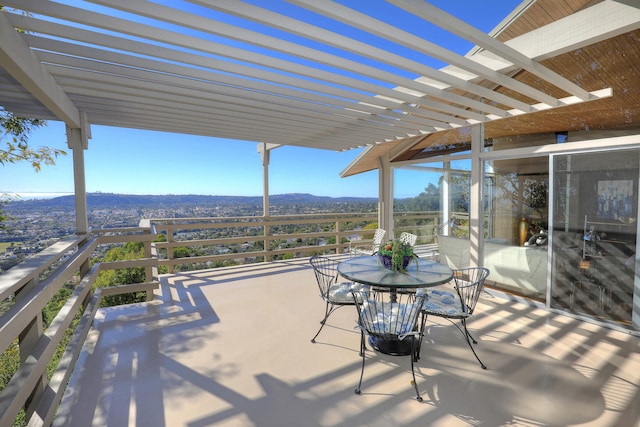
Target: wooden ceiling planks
{"x": 541, "y": 13}
{"x": 617, "y": 61}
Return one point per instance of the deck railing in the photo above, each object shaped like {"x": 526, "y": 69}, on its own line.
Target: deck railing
{"x": 254, "y": 238}
{"x": 27, "y": 288}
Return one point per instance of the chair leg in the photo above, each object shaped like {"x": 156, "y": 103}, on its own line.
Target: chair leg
{"x": 362, "y": 348}
{"x": 327, "y": 312}
{"x": 471, "y": 336}
{"x": 423, "y": 322}
{"x": 413, "y": 373}
{"x": 467, "y": 335}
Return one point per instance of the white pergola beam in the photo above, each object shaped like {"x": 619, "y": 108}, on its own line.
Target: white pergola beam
{"x": 374, "y": 26}
{"x": 73, "y": 67}
{"x": 599, "y": 22}
{"x": 24, "y": 66}
{"x": 165, "y": 67}
{"x": 111, "y": 42}
{"x": 462, "y": 29}
{"x": 207, "y": 47}
{"x": 285, "y": 23}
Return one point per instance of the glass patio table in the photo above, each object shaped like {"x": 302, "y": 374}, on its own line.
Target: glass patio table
{"x": 420, "y": 273}
{"x": 370, "y": 271}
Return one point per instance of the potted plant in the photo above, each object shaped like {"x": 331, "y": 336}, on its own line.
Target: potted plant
{"x": 396, "y": 255}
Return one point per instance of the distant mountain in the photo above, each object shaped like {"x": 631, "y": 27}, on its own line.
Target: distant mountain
{"x": 110, "y": 200}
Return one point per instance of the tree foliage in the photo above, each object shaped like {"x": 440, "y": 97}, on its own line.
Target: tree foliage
{"x": 426, "y": 201}
{"x": 14, "y": 147}
{"x": 15, "y": 142}
{"x": 123, "y": 276}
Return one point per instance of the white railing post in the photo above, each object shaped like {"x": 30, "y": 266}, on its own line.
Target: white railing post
{"x": 267, "y": 242}
{"x": 170, "y": 266}
{"x": 27, "y": 340}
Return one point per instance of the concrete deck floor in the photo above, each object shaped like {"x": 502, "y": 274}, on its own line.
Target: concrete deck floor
{"x": 231, "y": 347}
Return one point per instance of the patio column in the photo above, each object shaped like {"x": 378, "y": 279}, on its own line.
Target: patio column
{"x": 265, "y": 157}
{"x": 77, "y": 140}
{"x": 385, "y": 195}
{"x": 445, "y": 199}
{"x": 476, "y": 215}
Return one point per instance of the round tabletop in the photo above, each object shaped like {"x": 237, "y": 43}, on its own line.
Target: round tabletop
{"x": 370, "y": 271}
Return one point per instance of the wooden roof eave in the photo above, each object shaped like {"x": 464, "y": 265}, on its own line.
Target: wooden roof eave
{"x": 624, "y": 19}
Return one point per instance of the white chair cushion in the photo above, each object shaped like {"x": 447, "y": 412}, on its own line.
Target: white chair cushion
{"x": 383, "y": 318}
{"x": 441, "y": 302}
{"x": 340, "y": 293}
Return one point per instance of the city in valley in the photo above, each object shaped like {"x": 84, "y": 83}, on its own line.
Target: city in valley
{"x": 33, "y": 225}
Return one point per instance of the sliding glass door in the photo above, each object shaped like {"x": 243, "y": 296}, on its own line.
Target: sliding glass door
{"x": 594, "y": 261}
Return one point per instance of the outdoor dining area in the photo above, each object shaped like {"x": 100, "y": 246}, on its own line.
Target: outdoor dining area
{"x": 529, "y": 128}
{"x": 231, "y": 347}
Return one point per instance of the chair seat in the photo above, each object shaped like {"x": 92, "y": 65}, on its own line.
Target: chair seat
{"x": 456, "y": 304}
{"x": 443, "y": 303}
{"x": 340, "y": 293}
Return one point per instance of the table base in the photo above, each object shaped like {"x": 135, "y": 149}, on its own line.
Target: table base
{"x": 393, "y": 348}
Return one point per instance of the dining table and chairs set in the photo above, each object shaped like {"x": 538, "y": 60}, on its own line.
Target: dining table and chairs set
{"x": 393, "y": 305}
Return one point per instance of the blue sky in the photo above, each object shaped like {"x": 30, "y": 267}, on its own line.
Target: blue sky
{"x": 145, "y": 162}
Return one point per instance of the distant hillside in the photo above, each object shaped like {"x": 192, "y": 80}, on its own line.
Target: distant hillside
{"x": 110, "y": 200}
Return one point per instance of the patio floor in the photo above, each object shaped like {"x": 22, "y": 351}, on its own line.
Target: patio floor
{"x": 231, "y": 347}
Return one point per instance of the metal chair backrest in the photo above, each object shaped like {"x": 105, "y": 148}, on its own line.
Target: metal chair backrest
{"x": 388, "y": 315}
{"x": 326, "y": 272}
{"x": 408, "y": 238}
{"x": 378, "y": 237}
{"x": 469, "y": 283}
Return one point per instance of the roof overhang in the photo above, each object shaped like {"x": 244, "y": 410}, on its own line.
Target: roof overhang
{"x": 234, "y": 70}
{"x": 586, "y": 52}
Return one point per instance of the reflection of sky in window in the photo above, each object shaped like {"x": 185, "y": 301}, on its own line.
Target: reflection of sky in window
{"x": 410, "y": 181}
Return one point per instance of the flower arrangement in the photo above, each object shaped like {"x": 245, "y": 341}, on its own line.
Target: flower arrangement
{"x": 396, "y": 255}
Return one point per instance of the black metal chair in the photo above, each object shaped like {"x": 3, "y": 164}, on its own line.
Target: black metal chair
{"x": 335, "y": 294}
{"x": 458, "y": 303}
{"x": 390, "y": 319}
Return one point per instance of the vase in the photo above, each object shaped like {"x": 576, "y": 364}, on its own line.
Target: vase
{"x": 388, "y": 263}
{"x": 523, "y": 231}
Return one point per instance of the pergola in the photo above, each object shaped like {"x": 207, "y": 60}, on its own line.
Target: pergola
{"x": 307, "y": 73}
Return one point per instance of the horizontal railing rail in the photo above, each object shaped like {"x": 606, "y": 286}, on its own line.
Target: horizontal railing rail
{"x": 265, "y": 232}
{"x": 27, "y": 289}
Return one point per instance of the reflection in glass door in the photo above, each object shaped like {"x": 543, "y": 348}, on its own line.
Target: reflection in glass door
{"x": 594, "y": 234}
{"x": 515, "y": 225}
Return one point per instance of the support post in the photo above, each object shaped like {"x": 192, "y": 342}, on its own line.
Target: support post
{"x": 445, "y": 198}
{"x": 78, "y": 141}
{"x": 385, "y": 195}
{"x": 476, "y": 214}
{"x": 265, "y": 157}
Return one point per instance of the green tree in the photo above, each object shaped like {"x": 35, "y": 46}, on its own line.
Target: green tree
{"x": 123, "y": 276}
{"x": 14, "y": 147}
{"x": 15, "y": 142}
